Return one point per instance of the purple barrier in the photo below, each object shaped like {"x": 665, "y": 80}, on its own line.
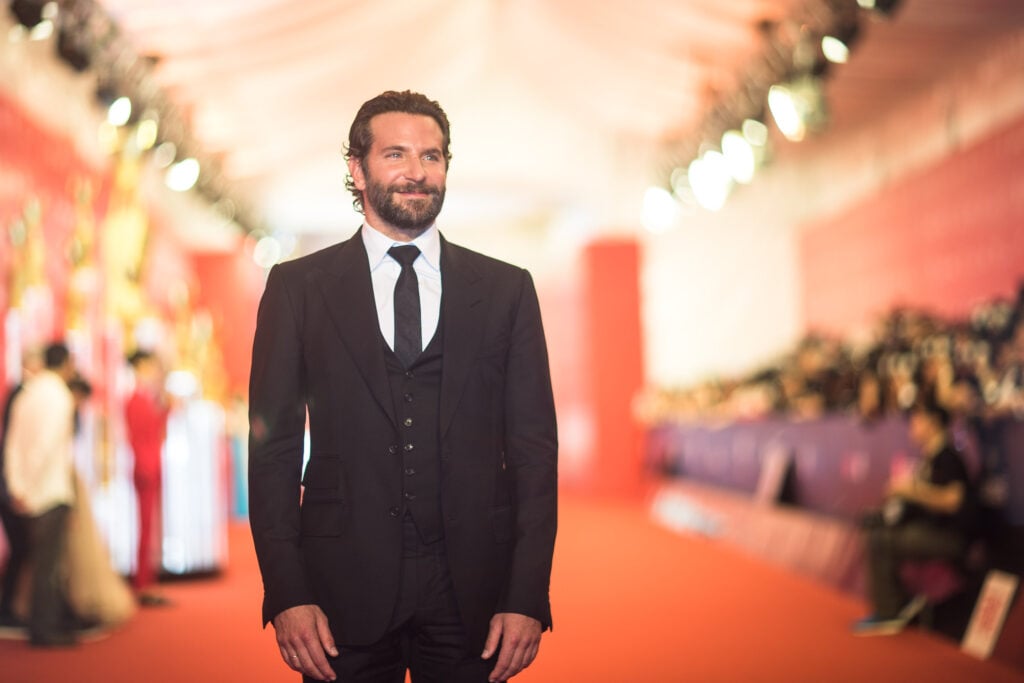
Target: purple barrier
{"x": 839, "y": 467}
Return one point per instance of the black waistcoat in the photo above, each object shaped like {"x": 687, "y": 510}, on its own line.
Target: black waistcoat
{"x": 417, "y": 396}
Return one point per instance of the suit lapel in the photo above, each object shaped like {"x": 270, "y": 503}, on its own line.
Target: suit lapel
{"x": 462, "y": 316}
{"x": 347, "y": 291}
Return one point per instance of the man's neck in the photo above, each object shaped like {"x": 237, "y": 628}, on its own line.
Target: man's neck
{"x": 395, "y": 233}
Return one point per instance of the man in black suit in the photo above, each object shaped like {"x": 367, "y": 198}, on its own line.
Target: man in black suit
{"x": 426, "y": 528}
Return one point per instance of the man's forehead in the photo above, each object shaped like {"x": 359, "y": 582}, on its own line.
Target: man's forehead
{"x": 399, "y": 124}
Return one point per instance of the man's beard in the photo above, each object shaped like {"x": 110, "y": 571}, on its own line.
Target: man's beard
{"x": 413, "y": 216}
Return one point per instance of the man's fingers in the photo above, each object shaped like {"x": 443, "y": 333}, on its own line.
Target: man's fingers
{"x": 313, "y": 662}
{"x": 300, "y": 635}
{"x": 289, "y": 659}
{"x": 513, "y": 658}
{"x": 323, "y": 630}
{"x": 520, "y": 641}
{"x": 493, "y": 638}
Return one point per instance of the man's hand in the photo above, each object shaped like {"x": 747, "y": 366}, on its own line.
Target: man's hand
{"x": 519, "y": 636}
{"x": 303, "y": 635}
{"x": 902, "y": 485}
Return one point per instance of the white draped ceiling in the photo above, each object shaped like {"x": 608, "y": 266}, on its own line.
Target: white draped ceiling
{"x": 557, "y": 105}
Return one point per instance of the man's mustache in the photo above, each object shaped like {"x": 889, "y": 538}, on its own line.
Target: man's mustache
{"x": 416, "y": 187}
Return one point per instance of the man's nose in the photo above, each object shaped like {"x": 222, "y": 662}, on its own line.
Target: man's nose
{"x": 415, "y": 170}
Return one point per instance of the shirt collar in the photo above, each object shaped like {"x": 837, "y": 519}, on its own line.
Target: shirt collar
{"x": 377, "y": 245}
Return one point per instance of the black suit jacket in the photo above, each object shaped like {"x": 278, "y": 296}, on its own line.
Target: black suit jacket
{"x": 318, "y": 349}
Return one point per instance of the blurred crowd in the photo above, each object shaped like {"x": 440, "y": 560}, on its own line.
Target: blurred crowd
{"x": 58, "y": 585}
{"x": 973, "y": 367}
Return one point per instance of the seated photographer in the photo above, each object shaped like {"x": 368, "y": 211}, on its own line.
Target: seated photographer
{"x": 926, "y": 515}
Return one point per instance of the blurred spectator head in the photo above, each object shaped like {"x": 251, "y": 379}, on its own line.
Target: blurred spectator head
{"x": 927, "y": 420}
{"x": 57, "y": 357}
{"x": 147, "y": 367}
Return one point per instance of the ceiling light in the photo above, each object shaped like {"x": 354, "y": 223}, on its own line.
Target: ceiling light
{"x": 119, "y": 111}
{"x": 267, "y": 252}
{"x": 786, "y": 113}
{"x": 42, "y": 30}
{"x": 755, "y": 132}
{"x": 686, "y": 201}
{"x": 183, "y": 175}
{"x": 739, "y": 156}
{"x": 659, "y": 210}
{"x": 835, "y": 50}
{"x": 798, "y": 106}
{"x": 837, "y": 44}
{"x": 165, "y": 154}
{"x": 146, "y": 133}
{"x": 710, "y": 180}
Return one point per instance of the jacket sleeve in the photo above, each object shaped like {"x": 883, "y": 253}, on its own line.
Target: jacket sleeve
{"x": 277, "y": 419}
{"x": 531, "y": 451}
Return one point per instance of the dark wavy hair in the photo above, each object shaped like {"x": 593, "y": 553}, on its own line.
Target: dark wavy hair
{"x": 360, "y": 136}
{"x": 56, "y": 355}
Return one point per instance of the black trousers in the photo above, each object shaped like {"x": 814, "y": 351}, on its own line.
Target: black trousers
{"x": 889, "y": 546}
{"x": 16, "y": 531}
{"x": 426, "y": 636}
{"x": 49, "y": 537}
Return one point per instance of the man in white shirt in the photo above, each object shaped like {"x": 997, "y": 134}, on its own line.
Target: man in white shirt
{"x": 40, "y": 470}
{"x": 14, "y": 525}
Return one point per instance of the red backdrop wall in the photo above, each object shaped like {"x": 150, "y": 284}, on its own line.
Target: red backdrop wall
{"x": 944, "y": 239}
{"x": 614, "y": 363}
{"x": 38, "y": 166}
{"x": 230, "y": 289}
{"x": 592, "y": 326}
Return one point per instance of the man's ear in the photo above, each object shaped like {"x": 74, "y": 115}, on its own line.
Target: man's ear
{"x": 355, "y": 169}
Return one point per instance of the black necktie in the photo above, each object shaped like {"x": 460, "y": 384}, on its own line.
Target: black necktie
{"x": 408, "y": 335}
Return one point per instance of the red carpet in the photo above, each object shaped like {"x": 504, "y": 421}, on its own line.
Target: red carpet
{"x": 633, "y": 604}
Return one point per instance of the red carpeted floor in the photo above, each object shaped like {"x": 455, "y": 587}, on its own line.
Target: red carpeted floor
{"x": 633, "y": 604}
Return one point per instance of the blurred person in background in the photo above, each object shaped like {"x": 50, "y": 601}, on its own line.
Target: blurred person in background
{"x": 426, "y": 527}
{"x": 145, "y": 415}
{"x": 15, "y": 526}
{"x": 928, "y": 514}
{"x": 81, "y": 392}
{"x": 40, "y": 476}
{"x": 98, "y": 596}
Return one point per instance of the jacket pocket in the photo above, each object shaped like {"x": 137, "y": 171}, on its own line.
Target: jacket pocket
{"x": 323, "y": 505}
{"x": 322, "y": 481}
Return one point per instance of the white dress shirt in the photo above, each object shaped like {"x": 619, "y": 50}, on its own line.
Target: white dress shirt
{"x": 39, "y": 460}
{"x": 384, "y": 271}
